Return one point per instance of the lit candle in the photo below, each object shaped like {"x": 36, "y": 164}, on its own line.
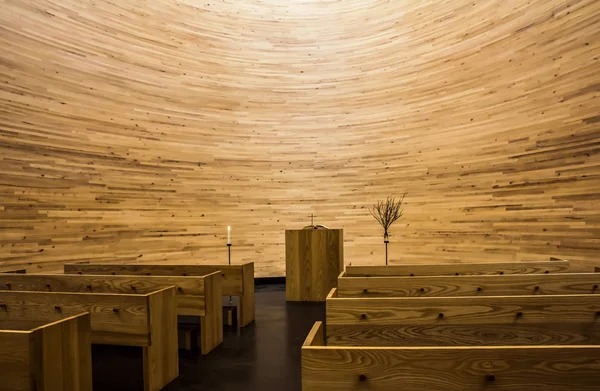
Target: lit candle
{"x": 228, "y": 234}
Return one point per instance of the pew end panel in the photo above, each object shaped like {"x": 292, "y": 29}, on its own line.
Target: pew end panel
{"x": 247, "y": 312}
{"x": 211, "y": 325}
{"x": 55, "y": 356}
{"x": 161, "y": 357}
{"x": 534, "y": 267}
{"x": 453, "y": 321}
{"x": 543, "y": 368}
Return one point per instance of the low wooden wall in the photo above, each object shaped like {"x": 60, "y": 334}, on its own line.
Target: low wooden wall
{"x": 48, "y": 356}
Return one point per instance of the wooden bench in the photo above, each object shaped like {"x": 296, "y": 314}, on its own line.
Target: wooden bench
{"x": 448, "y": 368}
{"x": 470, "y": 285}
{"x": 238, "y": 280}
{"x": 146, "y": 320}
{"x": 196, "y": 295}
{"x": 44, "y": 355}
{"x": 468, "y": 320}
{"x": 445, "y": 269}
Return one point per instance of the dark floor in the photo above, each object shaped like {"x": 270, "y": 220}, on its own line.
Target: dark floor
{"x": 262, "y": 356}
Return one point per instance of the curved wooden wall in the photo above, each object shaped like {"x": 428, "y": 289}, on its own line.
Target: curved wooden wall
{"x": 136, "y": 131}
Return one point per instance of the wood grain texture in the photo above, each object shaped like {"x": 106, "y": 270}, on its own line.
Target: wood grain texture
{"x": 247, "y": 312}
{"x": 161, "y": 357}
{"x": 232, "y": 274}
{"x": 117, "y": 319}
{"x": 316, "y": 336}
{"x": 190, "y": 289}
{"x": 211, "y": 325}
{"x": 147, "y": 320}
{"x": 238, "y": 280}
{"x": 256, "y": 114}
{"x": 195, "y": 296}
{"x": 441, "y": 321}
{"x": 314, "y": 259}
{"x": 55, "y": 356}
{"x": 480, "y": 268}
{"x": 544, "y": 368}
{"x": 487, "y": 285}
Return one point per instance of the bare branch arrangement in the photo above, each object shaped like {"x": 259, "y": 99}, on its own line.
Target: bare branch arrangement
{"x": 386, "y": 212}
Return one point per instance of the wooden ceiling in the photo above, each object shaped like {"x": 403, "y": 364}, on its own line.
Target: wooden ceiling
{"x": 137, "y": 131}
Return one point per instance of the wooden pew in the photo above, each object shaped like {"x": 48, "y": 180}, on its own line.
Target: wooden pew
{"x": 146, "y": 320}
{"x": 444, "y": 321}
{"x": 44, "y": 355}
{"x": 196, "y": 295}
{"x": 470, "y": 285}
{"x": 449, "y": 368}
{"x": 446, "y": 269}
{"x": 238, "y": 280}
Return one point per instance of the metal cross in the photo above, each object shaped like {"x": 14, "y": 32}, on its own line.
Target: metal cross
{"x": 312, "y": 219}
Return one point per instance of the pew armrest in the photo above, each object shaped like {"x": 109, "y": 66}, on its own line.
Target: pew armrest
{"x": 316, "y": 336}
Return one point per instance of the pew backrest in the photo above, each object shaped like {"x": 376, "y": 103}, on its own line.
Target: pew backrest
{"x": 468, "y": 320}
{"x": 471, "y": 285}
{"x": 441, "y": 269}
{"x": 116, "y": 319}
{"x": 192, "y": 292}
{"x": 456, "y": 368}
{"x": 234, "y": 283}
{"x": 238, "y": 280}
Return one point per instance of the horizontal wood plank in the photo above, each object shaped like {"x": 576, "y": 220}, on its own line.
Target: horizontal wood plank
{"x": 560, "y": 368}
{"x": 232, "y": 274}
{"x": 190, "y": 289}
{"x": 116, "y": 319}
{"x": 441, "y": 269}
{"x": 492, "y": 320}
{"x": 484, "y": 285}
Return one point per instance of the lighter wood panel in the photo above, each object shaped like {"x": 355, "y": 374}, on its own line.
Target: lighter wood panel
{"x": 138, "y": 131}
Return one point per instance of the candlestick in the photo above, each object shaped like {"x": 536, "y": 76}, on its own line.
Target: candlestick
{"x": 229, "y": 259}
{"x": 228, "y": 234}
